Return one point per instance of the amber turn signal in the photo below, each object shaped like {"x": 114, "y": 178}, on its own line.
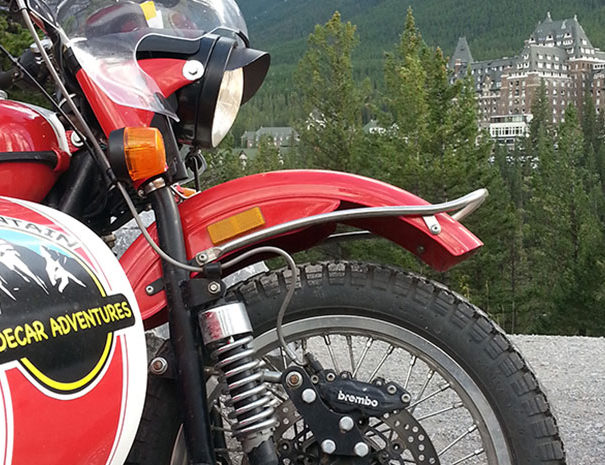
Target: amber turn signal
{"x": 137, "y": 153}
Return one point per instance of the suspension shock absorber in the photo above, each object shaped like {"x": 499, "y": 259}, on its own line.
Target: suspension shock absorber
{"x": 227, "y": 332}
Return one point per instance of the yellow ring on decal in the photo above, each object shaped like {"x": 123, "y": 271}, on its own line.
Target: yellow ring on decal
{"x": 60, "y": 386}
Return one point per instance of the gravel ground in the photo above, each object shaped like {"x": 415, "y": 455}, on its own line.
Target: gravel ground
{"x": 572, "y": 370}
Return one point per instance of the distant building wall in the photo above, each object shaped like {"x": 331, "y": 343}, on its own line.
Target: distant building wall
{"x": 281, "y": 137}
{"x": 558, "y": 53}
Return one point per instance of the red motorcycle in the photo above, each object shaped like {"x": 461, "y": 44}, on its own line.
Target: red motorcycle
{"x": 331, "y": 363}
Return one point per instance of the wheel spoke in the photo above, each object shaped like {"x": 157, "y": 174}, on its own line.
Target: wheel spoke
{"x": 443, "y": 388}
{"x": 350, "y": 346}
{"x": 455, "y": 406}
{"x": 407, "y": 378}
{"x": 424, "y": 386}
{"x": 328, "y": 343}
{"x": 382, "y": 361}
{"x": 363, "y": 355}
{"x": 476, "y": 453}
{"x": 277, "y": 394}
{"x": 268, "y": 361}
{"x": 458, "y": 439}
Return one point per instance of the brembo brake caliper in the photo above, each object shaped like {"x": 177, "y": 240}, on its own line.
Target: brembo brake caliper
{"x": 335, "y": 433}
{"x": 334, "y": 407}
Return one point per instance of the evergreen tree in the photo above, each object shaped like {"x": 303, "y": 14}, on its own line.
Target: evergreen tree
{"x": 566, "y": 245}
{"x": 590, "y": 131}
{"x": 13, "y": 37}
{"x": 330, "y": 97}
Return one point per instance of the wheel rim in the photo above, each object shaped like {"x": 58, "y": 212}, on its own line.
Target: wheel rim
{"x": 464, "y": 429}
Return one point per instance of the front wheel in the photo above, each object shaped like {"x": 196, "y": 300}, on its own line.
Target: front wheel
{"x": 474, "y": 399}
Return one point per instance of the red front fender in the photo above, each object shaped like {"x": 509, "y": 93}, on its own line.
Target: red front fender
{"x": 287, "y": 195}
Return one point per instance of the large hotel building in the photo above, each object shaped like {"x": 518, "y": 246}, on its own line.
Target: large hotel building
{"x": 558, "y": 53}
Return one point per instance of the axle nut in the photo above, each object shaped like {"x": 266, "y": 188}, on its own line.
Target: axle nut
{"x": 308, "y": 396}
{"x": 361, "y": 449}
{"x": 329, "y": 446}
{"x": 294, "y": 379}
{"x": 158, "y": 366}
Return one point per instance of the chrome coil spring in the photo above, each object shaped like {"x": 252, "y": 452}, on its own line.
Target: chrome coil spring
{"x": 253, "y": 413}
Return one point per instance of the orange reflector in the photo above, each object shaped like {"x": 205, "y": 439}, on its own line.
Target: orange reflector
{"x": 144, "y": 152}
{"x": 235, "y": 225}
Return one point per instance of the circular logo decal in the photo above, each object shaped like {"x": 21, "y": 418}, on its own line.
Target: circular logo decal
{"x": 56, "y": 318}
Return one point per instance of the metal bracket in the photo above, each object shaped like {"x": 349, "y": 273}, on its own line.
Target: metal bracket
{"x": 432, "y": 223}
{"x": 202, "y": 291}
{"x": 154, "y": 287}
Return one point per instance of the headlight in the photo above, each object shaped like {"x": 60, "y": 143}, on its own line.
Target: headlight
{"x": 208, "y": 106}
{"x": 228, "y": 103}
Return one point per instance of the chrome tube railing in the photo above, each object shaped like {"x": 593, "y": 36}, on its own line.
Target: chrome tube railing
{"x": 465, "y": 204}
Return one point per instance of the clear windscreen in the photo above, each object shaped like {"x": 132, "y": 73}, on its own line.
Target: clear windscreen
{"x": 104, "y": 34}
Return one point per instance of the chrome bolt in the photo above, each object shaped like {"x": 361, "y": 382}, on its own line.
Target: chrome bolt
{"x": 76, "y": 140}
{"x": 346, "y": 424}
{"x": 406, "y": 398}
{"x": 294, "y": 379}
{"x": 193, "y": 69}
{"x": 330, "y": 377}
{"x": 309, "y": 396}
{"x": 315, "y": 379}
{"x": 435, "y": 229}
{"x": 149, "y": 290}
{"x": 361, "y": 449}
{"x": 328, "y": 446}
{"x": 141, "y": 193}
{"x": 391, "y": 389}
{"x": 201, "y": 258}
{"x": 158, "y": 366}
{"x": 214, "y": 287}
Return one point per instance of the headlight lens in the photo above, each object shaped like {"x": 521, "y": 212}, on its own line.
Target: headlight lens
{"x": 228, "y": 103}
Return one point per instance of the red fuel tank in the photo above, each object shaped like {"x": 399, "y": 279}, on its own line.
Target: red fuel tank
{"x": 33, "y": 150}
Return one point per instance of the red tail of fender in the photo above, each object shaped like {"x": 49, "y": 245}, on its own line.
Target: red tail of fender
{"x": 287, "y": 195}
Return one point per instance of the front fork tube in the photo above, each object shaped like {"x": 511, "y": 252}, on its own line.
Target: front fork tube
{"x": 190, "y": 378}
{"x": 227, "y": 332}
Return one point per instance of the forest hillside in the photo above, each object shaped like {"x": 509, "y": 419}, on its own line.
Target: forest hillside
{"x": 493, "y": 29}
